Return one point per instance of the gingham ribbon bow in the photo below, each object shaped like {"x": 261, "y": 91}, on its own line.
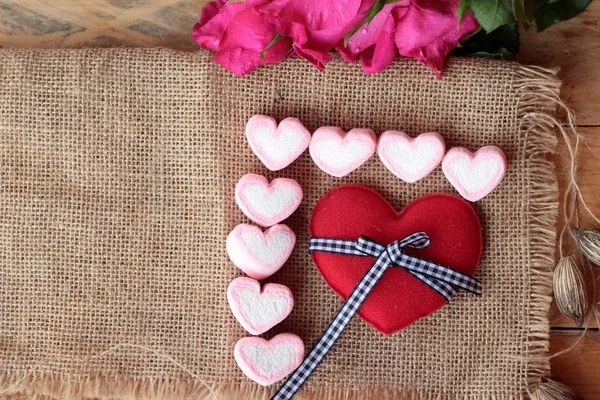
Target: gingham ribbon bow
{"x": 438, "y": 277}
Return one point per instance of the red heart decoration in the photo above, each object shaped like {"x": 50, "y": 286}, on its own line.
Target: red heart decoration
{"x": 398, "y": 299}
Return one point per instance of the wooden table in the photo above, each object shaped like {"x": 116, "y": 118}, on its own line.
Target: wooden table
{"x": 574, "y": 46}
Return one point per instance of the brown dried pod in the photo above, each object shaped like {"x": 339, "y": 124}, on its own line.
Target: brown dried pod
{"x": 548, "y": 389}
{"x": 589, "y": 243}
{"x": 570, "y": 291}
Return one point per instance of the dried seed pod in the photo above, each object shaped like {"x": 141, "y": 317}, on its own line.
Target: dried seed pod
{"x": 548, "y": 389}
{"x": 589, "y": 243}
{"x": 570, "y": 291}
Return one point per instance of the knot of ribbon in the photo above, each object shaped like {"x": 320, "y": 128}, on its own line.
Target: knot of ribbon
{"x": 438, "y": 277}
{"x": 442, "y": 279}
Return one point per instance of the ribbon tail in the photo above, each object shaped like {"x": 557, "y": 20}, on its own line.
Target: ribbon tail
{"x": 437, "y": 277}
{"x": 335, "y": 329}
{"x": 442, "y": 288}
{"x": 441, "y": 275}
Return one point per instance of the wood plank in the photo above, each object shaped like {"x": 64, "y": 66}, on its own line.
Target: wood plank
{"x": 589, "y": 181}
{"x": 102, "y": 23}
{"x": 579, "y": 368}
{"x": 574, "y": 46}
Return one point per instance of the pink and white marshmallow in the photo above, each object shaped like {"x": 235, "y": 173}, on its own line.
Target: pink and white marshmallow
{"x": 268, "y": 361}
{"x": 267, "y": 203}
{"x": 474, "y": 175}
{"x": 277, "y": 146}
{"x": 259, "y": 310}
{"x": 260, "y": 254}
{"x": 411, "y": 159}
{"x": 339, "y": 153}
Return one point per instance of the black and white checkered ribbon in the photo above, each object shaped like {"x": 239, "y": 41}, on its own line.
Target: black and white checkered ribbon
{"x": 438, "y": 277}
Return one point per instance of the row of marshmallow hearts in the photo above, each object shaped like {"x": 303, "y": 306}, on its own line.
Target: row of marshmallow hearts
{"x": 338, "y": 153}
{"x": 260, "y": 254}
{"x": 264, "y": 361}
{"x": 258, "y": 310}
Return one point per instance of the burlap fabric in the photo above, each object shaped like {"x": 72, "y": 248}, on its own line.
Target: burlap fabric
{"x": 117, "y": 174}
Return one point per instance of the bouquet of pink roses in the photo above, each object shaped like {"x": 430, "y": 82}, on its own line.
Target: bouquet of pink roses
{"x": 247, "y": 34}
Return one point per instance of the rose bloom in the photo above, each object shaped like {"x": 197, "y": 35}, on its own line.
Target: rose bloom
{"x": 240, "y": 35}
{"x": 251, "y": 33}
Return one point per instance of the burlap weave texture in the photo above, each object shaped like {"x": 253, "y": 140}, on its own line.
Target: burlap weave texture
{"x": 117, "y": 174}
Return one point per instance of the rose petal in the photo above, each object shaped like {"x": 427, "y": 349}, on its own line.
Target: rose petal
{"x": 209, "y": 11}
{"x": 430, "y": 30}
{"x": 378, "y": 57}
{"x": 315, "y": 15}
{"x": 215, "y": 18}
{"x": 315, "y": 57}
{"x": 315, "y": 26}
{"x": 347, "y": 54}
{"x": 246, "y": 39}
{"x": 369, "y": 34}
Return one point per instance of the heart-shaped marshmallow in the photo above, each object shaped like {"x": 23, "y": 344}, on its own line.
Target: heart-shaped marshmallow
{"x": 264, "y": 203}
{"x": 277, "y": 146}
{"x": 339, "y": 153}
{"x": 410, "y": 159}
{"x": 260, "y": 254}
{"x": 267, "y": 361}
{"x": 474, "y": 175}
{"x": 258, "y": 311}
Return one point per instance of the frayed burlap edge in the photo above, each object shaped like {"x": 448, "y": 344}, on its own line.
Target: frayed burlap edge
{"x": 538, "y": 97}
{"x": 56, "y": 386}
{"x": 538, "y": 92}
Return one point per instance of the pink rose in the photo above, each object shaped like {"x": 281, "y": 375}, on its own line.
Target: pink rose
{"x": 426, "y": 30}
{"x": 216, "y": 15}
{"x": 430, "y": 30}
{"x": 374, "y": 41}
{"x": 247, "y": 34}
{"x": 240, "y": 35}
{"x": 315, "y": 26}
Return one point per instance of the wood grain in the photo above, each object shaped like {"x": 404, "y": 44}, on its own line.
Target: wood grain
{"x": 589, "y": 181}
{"x": 579, "y": 368}
{"x": 574, "y": 46}
{"x": 100, "y": 23}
